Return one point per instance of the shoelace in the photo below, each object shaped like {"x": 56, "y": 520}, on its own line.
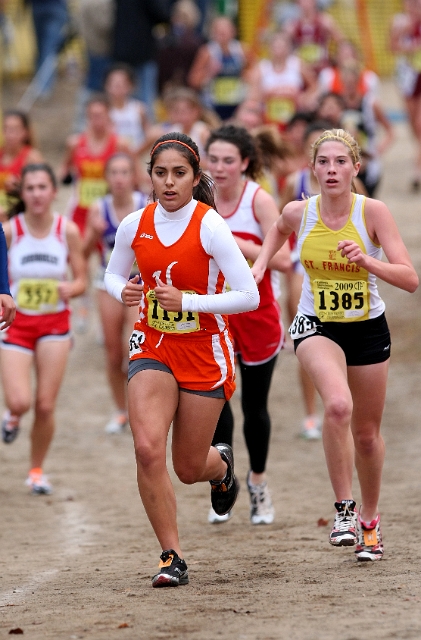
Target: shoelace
{"x": 344, "y": 519}
{"x": 165, "y": 556}
{"x": 258, "y": 494}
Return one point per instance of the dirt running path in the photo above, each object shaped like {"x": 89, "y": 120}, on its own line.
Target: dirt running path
{"x": 78, "y": 564}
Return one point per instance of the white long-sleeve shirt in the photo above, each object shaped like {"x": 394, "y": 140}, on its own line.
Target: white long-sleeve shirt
{"x": 217, "y": 241}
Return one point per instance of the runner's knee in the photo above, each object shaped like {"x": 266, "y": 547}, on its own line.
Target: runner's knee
{"x": 338, "y": 410}
{"x": 187, "y": 471}
{"x": 19, "y": 405}
{"x": 44, "y": 407}
{"x": 366, "y": 442}
{"x": 148, "y": 455}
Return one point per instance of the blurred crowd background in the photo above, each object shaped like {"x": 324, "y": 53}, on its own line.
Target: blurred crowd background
{"x": 184, "y": 62}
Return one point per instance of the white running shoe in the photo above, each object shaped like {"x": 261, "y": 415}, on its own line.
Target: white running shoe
{"x": 370, "y": 543}
{"x": 311, "y": 428}
{"x": 38, "y": 483}
{"x": 213, "y": 517}
{"x": 261, "y": 507}
{"x": 117, "y": 423}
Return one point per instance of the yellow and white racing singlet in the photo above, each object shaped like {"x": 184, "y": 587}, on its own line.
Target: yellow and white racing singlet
{"x": 335, "y": 290}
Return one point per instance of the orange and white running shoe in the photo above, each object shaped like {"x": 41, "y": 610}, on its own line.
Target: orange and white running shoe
{"x": 117, "y": 423}
{"x": 370, "y": 542}
{"x": 38, "y": 482}
{"x": 311, "y": 428}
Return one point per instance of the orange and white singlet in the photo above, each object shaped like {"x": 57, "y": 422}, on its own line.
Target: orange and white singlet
{"x": 193, "y": 250}
{"x": 335, "y": 290}
{"x": 258, "y": 335}
{"x": 183, "y": 264}
{"x": 36, "y": 266}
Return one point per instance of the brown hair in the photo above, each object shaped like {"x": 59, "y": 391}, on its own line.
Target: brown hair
{"x": 271, "y": 145}
{"x": 187, "y": 148}
{"x": 245, "y": 143}
{"x": 24, "y": 119}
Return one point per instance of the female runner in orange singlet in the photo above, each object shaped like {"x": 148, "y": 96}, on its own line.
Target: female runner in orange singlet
{"x": 181, "y": 368}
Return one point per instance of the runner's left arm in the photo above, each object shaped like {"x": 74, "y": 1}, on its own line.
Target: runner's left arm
{"x": 7, "y": 304}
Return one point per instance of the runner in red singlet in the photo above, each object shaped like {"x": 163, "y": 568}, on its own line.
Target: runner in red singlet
{"x": 86, "y": 156}
{"x": 249, "y": 211}
{"x": 16, "y": 152}
{"x": 312, "y": 34}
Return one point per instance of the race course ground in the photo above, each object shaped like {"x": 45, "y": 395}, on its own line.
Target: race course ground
{"x": 78, "y": 563}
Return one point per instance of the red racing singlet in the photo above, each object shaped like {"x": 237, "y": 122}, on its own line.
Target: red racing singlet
{"x": 258, "y": 335}
{"x": 310, "y": 42}
{"x": 13, "y": 168}
{"x": 90, "y": 169}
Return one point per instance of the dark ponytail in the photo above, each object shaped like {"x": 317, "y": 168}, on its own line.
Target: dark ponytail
{"x": 245, "y": 143}
{"x": 204, "y": 191}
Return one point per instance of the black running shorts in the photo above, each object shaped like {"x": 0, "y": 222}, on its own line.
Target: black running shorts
{"x": 364, "y": 342}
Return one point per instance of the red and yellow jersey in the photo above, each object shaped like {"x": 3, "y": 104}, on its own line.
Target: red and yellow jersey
{"x": 11, "y": 169}
{"x": 90, "y": 174}
{"x": 310, "y": 41}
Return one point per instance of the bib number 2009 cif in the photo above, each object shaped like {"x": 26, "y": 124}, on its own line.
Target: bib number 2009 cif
{"x": 338, "y": 299}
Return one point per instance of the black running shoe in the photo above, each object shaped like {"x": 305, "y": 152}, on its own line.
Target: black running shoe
{"x": 344, "y": 532}
{"x": 224, "y": 492}
{"x": 172, "y": 571}
{"x": 9, "y": 427}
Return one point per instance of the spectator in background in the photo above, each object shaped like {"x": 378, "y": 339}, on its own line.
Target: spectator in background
{"x": 405, "y": 42}
{"x": 178, "y": 48}
{"x": 50, "y": 20}
{"x": 3, "y": 43}
{"x": 95, "y": 23}
{"x": 135, "y": 43}
{"x": 219, "y": 69}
